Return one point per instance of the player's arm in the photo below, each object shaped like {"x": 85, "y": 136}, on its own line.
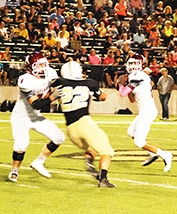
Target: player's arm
{"x": 131, "y": 97}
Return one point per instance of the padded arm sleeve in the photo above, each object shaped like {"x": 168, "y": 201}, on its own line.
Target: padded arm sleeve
{"x": 38, "y": 104}
{"x": 124, "y": 90}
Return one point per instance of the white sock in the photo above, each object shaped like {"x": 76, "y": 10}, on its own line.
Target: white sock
{"x": 42, "y": 158}
{"x": 161, "y": 153}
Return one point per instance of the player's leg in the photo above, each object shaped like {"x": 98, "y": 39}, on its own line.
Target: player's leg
{"x": 56, "y": 136}
{"x": 20, "y": 131}
{"x": 142, "y": 129}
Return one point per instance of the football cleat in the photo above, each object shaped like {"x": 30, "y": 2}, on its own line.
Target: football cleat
{"x": 149, "y": 160}
{"x": 13, "y": 176}
{"x": 39, "y": 167}
{"x": 168, "y": 161}
{"x": 104, "y": 183}
{"x": 91, "y": 168}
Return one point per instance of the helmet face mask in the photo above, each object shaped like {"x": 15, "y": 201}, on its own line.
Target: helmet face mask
{"x": 37, "y": 65}
{"x": 135, "y": 63}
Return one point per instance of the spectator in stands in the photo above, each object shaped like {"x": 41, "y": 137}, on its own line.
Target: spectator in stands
{"x": 125, "y": 48}
{"x": 55, "y": 25}
{"x": 139, "y": 39}
{"x": 79, "y": 18}
{"x": 82, "y": 56}
{"x": 111, "y": 74}
{"x": 80, "y": 6}
{"x": 49, "y": 29}
{"x": 112, "y": 30}
{"x": 6, "y": 17}
{"x": 120, "y": 9}
{"x": 174, "y": 54}
{"x": 63, "y": 40}
{"x": 121, "y": 40}
{"x": 12, "y": 34}
{"x": 169, "y": 61}
{"x": 159, "y": 9}
{"x": 30, "y": 29}
{"x": 106, "y": 19}
{"x": 49, "y": 7}
{"x": 119, "y": 57}
{"x": 89, "y": 31}
{"x": 109, "y": 60}
{"x": 134, "y": 24}
{"x": 165, "y": 85}
{"x": 63, "y": 5}
{"x": 97, "y": 12}
{"x": 160, "y": 23}
{"x": 137, "y": 7}
{"x": 24, "y": 5}
{"x": 3, "y": 73}
{"x": 31, "y": 14}
{"x": 154, "y": 34}
{"x": 64, "y": 57}
{"x": 65, "y": 32}
{"x": 78, "y": 29}
{"x": 22, "y": 32}
{"x": 54, "y": 57}
{"x": 14, "y": 72}
{"x": 3, "y": 31}
{"x": 96, "y": 70}
{"x": 175, "y": 18}
{"x": 39, "y": 24}
{"x": 70, "y": 24}
{"x": 167, "y": 33}
{"x": 17, "y": 18}
{"x": 90, "y": 19}
{"x": 168, "y": 12}
{"x": 101, "y": 29}
{"x": 58, "y": 47}
{"x": 107, "y": 44}
{"x": 155, "y": 68}
{"x": 50, "y": 41}
{"x": 75, "y": 43}
{"x": 58, "y": 14}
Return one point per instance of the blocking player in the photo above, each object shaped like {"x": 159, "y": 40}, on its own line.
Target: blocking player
{"x": 139, "y": 90}
{"x": 81, "y": 129}
{"x": 34, "y": 94}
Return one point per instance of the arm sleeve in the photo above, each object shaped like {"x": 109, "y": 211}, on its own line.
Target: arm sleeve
{"x": 124, "y": 90}
{"x": 39, "y": 104}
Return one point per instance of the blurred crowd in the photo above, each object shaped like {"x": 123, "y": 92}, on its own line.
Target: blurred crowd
{"x": 100, "y": 34}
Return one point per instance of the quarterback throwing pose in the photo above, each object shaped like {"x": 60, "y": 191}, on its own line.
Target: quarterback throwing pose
{"x": 34, "y": 94}
{"x": 139, "y": 90}
{"x": 81, "y": 129}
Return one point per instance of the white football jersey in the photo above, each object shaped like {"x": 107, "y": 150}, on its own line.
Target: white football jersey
{"x": 29, "y": 86}
{"x": 142, "y": 89}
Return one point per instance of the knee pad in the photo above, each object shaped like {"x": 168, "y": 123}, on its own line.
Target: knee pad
{"x": 52, "y": 146}
{"x": 18, "y": 156}
{"x": 139, "y": 142}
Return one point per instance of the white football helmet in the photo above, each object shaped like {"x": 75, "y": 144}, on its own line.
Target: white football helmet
{"x": 37, "y": 64}
{"x": 71, "y": 70}
{"x": 135, "y": 63}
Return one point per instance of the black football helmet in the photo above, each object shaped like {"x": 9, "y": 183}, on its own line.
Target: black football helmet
{"x": 37, "y": 64}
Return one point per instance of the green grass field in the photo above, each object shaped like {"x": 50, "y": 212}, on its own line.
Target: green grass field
{"x": 70, "y": 190}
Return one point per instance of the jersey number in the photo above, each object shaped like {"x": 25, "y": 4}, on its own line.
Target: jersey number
{"x": 74, "y": 98}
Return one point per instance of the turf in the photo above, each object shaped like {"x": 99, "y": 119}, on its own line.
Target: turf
{"x": 139, "y": 190}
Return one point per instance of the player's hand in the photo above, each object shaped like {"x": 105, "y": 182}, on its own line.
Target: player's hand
{"x": 123, "y": 79}
{"x": 57, "y": 91}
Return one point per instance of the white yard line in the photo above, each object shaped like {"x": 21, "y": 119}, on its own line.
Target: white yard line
{"x": 135, "y": 182}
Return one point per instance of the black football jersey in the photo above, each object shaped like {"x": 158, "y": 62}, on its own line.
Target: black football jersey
{"x": 75, "y": 97}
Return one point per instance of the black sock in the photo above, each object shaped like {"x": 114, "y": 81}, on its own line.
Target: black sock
{"x": 89, "y": 160}
{"x": 103, "y": 174}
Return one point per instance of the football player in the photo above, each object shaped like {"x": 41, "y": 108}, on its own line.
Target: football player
{"x": 81, "y": 129}
{"x": 139, "y": 90}
{"x": 34, "y": 94}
